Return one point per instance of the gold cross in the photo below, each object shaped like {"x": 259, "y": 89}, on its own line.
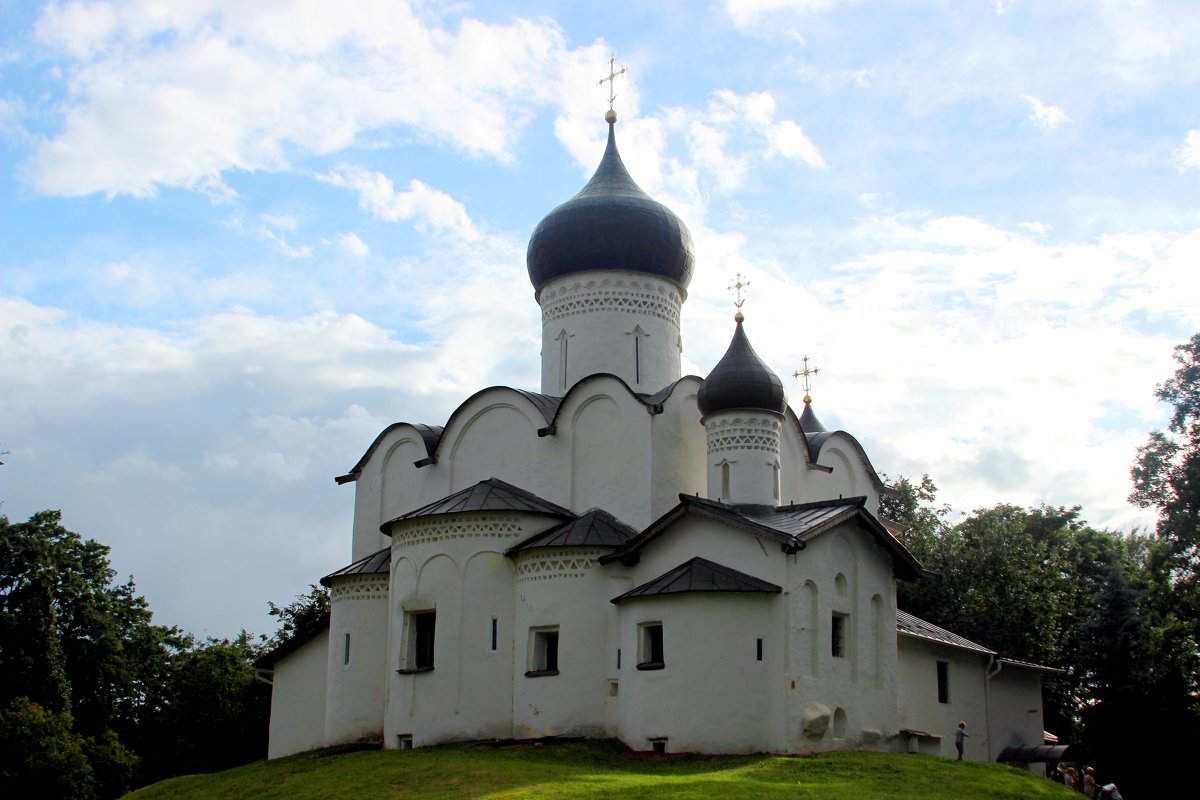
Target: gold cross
{"x": 613, "y": 72}
{"x": 736, "y": 288}
{"x": 804, "y": 373}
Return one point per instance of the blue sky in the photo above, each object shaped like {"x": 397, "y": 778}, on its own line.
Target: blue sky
{"x": 237, "y": 240}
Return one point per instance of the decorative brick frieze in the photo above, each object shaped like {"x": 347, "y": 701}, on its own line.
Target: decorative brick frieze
{"x": 556, "y": 564}
{"x": 439, "y": 529}
{"x": 742, "y": 433}
{"x": 609, "y": 295}
{"x": 360, "y": 587}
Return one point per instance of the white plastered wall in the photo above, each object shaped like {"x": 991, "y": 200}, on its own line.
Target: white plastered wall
{"x": 561, "y": 589}
{"x": 357, "y": 658}
{"x": 298, "y": 699}
{"x": 1015, "y": 712}
{"x": 712, "y": 694}
{"x": 842, "y": 572}
{"x": 918, "y": 696}
{"x": 591, "y": 321}
{"x": 455, "y": 565}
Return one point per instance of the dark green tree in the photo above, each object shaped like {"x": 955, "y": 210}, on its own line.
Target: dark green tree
{"x": 304, "y": 612}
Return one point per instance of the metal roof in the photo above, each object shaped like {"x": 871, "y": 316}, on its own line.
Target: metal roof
{"x": 376, "y": 563}
{"x": 699, "y": 575}
{"x": 492, "y": 494}
{"x": 610, "y": 224}
{"x": 596, "y": 528}
{"x": 1041, "y": 752}
{"x": 915, "y": 626}
{"x": 741, "y": 380}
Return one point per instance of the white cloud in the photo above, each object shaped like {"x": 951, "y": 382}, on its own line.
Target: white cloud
{"x": 747, "y": 13}
{"x": 428, "y": 208}
{"x": 178, "y": 94}
{"x": 352, "y": 245}
{"x": 788, "y": 139}
{"x": 1188, "y": 154}
{"x": 1044, "y": 116}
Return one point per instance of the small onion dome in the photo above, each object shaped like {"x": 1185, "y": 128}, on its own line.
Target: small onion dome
{"x": 741, "y": 380}
{"x": 808, "y": 419}
{"x": 611, "y": 224}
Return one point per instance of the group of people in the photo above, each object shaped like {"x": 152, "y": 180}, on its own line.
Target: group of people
{"x": 1087, "y": 784}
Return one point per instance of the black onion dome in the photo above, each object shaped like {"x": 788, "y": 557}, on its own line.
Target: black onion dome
{"x": 741, "y": 380}
{"x": 611, "y": 224}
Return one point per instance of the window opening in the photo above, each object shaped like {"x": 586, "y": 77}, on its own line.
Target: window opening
{"x": 839, "y": 636}
{"x": 775, "y": 479}
{"x": 543, "y": 652}
{"x": 418, "y": 653}
{"x": 404, "y": 741}
{"x": 495, "y": 634}
{"x": 758, "y": 655}
{"x": 346, "y": 655}
{"x": 650, "y": 646}
{"x": 725, "y": 480}
{"x": 943, "y": 681}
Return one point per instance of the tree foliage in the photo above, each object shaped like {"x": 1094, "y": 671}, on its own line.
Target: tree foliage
{"x": 304, "y": 612}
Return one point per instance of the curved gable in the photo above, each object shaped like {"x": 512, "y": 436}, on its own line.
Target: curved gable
{"x": 427, "y": 435}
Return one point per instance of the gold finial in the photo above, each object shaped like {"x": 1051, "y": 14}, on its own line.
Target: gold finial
{"x": 739, "y": 297}
{"x": 610, "y": 116}
{"x": 805, "y": 373}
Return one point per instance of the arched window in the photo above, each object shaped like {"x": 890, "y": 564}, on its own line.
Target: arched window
{"x": 724, "y": 480}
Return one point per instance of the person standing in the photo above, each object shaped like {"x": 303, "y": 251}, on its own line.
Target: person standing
{"x": 1089, "y": 783}
{"x": 959, "y": 736}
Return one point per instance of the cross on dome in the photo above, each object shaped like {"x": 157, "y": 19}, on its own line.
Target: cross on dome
{"x": 805, "y": 373}
{"x": 613, "y": 72}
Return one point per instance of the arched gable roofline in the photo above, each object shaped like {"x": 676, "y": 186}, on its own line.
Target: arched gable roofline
{"x": 653, "y": 402}
{"x": 544, "y": 404}
{"x": 429, "y": 435}
{"x": 810, "y": 459}
{"x": 818, "y": 440}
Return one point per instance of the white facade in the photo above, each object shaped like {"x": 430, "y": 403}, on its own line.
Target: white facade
{"x": 735, "y": 592}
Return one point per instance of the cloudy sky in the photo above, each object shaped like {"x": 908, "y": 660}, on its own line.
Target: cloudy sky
{"x": 238, "y": 239}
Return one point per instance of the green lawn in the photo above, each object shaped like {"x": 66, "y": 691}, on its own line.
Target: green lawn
{"x": 603, "y": 770}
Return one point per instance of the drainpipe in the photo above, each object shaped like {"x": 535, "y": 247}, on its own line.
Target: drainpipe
{"x": 993, "y": 669}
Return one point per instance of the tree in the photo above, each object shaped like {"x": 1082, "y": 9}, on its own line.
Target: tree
{"x": 304, "y": 612}
{"x": 1166, "y": 473}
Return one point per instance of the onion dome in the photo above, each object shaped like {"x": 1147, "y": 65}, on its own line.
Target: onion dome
{"x": 741, "y": 380}
{"x": 808, "y": 419}
{"x": 610, "y": 225}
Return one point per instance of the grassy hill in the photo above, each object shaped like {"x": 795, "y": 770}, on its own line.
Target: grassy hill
{"x": 603, "y": 770}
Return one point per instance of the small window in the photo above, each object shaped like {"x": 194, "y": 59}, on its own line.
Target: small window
{"x": 758, "y": 650}
{"x": 725, "y": 481}
{"x": 346, "y": 654}
{"x": 495, "y": 635}
{"x": 543, "y": 652}
{"x": 839, "y": 636}
{"x": 943, "y": 681}
{"x": 650, "y": 646}
{"x": 404, "y": 741}
{"x": 418, "y": 652}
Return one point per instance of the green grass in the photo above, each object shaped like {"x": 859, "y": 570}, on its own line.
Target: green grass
{"x": 603, "y": 771}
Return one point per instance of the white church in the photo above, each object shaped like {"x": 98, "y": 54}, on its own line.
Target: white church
{"x": 681, "y": 563}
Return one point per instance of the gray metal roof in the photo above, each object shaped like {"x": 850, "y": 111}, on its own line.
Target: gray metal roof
{"x": 915, "y": 626}
{"x": 699, "y": 575}
{"x": 374, "y": 564}
{"x": 492, "y": 494}
{"x": 791, "y": 526}
{"x": 596, "y": 528}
